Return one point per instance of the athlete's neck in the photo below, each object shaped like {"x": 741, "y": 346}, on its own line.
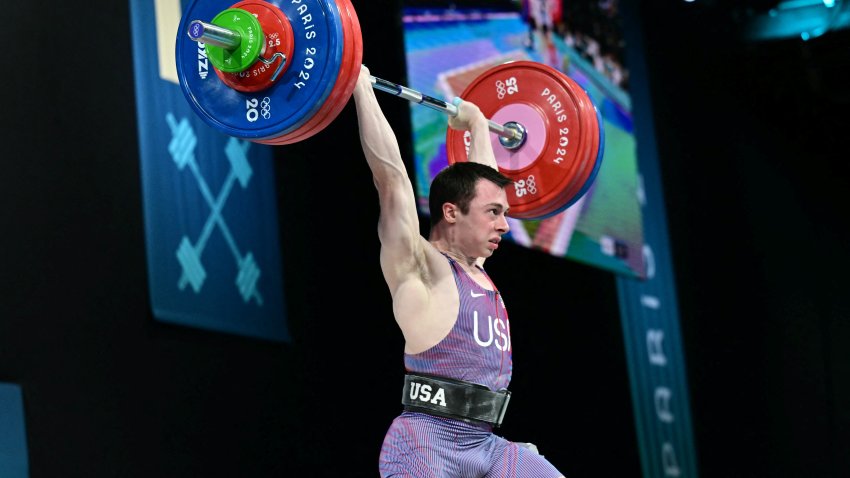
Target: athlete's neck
{"x": 467, "y": 262}
{"x": 443, "y": 240}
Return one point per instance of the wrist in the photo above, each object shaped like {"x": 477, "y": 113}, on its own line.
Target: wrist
{"x": 480, "y": 125}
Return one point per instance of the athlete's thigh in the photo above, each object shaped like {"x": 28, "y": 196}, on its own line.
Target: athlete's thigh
{"x": 425, "y": 447}
{"x": 402, "y": 454}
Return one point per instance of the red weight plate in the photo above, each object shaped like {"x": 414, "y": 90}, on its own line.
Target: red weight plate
{"x": 511, "y": 90}
{"x": 520, "y": 159}
{"x": 567, "y": 138}
{"x": 590, "y": 146}
{"x": 552, "y": 156}
{"x": 346, "y": 80}
{"x": 534, "y": 187}
{"x": 588, "y": 139}
{"x": 588, "y": 165}
{"x": 278, "y": 39}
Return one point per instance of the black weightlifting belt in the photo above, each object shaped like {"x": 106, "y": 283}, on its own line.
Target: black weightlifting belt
{"x": 457, "y": 399}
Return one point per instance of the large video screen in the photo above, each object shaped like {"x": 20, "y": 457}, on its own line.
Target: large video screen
{"x": 447, "y": 45}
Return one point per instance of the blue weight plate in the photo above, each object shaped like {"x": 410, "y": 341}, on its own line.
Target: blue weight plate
{"x": 292, "y": 100}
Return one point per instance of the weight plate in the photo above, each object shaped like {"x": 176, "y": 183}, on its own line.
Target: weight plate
{"x": 592, "y": 154}
{"x": 289, "y": 102}
{"x": 554, "y": 157}
{"x": 243, "y": 56}
{"x": 346, "y": 80}
{"x": 583, "y": 182}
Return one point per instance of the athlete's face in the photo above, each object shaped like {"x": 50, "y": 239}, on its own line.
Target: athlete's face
{"x": 482, "y": 228}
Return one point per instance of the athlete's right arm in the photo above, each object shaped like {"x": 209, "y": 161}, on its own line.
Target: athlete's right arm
{"x": 402, "y": 246}
{"x": 470, "y": 118}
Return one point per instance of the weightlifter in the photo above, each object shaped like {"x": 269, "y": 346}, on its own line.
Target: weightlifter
{"x": 457, "y": 351}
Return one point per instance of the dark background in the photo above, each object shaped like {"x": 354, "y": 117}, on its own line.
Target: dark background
{"x": 751, "y": 153}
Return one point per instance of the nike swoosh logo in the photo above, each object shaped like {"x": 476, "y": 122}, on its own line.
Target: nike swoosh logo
{"x": 476, "y": 295}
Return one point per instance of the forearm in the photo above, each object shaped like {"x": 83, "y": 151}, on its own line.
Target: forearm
{"x": 377, "y": 138}
{"x": 398, "y": 225}
{"x": 470, "y": 118}
{"x": 481, "y": 148}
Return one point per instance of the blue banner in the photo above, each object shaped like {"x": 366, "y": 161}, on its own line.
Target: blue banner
{"x": 210, "y": 206}
{"x": 648, "y": 308}
{"x": 14, "y": 462}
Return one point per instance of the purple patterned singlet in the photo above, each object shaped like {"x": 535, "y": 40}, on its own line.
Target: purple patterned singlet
{"x": 478, "y": 350}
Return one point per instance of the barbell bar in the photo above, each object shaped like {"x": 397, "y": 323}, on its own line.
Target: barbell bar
{"x": 513, "y": 133}
{"x": 548, "y": 133}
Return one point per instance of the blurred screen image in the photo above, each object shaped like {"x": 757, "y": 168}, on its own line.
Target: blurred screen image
{"x": 448, "y": 46}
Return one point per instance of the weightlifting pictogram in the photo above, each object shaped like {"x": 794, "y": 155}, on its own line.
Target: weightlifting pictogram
{"x": 189, "y": 253}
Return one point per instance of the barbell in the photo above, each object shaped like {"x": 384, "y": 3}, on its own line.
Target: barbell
{"x": 284, "y": 69}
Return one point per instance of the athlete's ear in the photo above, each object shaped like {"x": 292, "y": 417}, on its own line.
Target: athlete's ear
{"x": 450, "y": 212}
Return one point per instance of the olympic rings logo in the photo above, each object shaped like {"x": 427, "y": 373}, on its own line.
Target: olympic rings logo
{"x": 531, "y": 185}
{"x": 251, "y": 106}
{"x": 508, "y": 88}
{"x": 525, "y": 186}
{"x": 266, "y": 108}
{"x": 500, "y": 89}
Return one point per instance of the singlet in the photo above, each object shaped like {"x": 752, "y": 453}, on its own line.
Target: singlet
{"x": 478, "y": 348}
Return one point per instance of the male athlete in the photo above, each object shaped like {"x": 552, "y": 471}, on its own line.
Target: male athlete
{"x": 457, "y": 336}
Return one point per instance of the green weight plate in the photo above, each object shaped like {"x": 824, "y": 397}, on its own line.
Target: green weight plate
{"x": 251, "y": 44}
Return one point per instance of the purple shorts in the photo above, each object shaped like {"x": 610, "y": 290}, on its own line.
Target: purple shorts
{"x": 419, "y": 445}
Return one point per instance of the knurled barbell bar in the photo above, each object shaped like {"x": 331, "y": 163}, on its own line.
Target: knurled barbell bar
{"x": 548, "y": 134}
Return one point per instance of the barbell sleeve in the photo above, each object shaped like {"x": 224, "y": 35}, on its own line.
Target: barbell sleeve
{"x": 512, "y": 134}
{"x": 209, "y": 33}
